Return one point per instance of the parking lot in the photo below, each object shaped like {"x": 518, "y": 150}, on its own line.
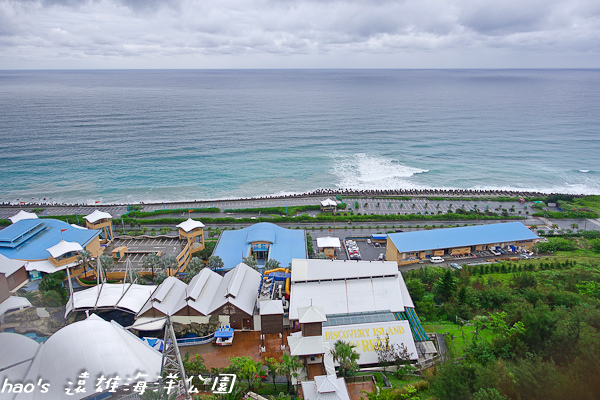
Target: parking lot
{"x": 137, "y": 249}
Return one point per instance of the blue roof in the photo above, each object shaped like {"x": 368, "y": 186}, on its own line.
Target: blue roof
{"x": 461, "y": 237}
{"x": 379, "y": 236}
{"x": 46, "y": 235}
{"x": 286, "y": 244}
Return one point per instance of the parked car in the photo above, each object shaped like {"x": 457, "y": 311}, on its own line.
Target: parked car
{"x": 436, "y": 259}
{"x": 381, "y": 257}
{"x": 376, "y": 244}
{"x": 455, "y": 266}
{"x": 494, "y": 252}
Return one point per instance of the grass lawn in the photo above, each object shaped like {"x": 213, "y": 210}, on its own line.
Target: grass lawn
{"x": 459, "y": 338}
{"x": 589, "y": 202}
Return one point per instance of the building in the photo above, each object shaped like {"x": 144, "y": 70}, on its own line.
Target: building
{"x": 49, "y": 245}
{"x": 328, "y": 205}
{"x": 13, "y": 275}
{"x": 192, "y": 232}
{"x": 103, "y": 221}
{"x": 232, "y": 297}
{"x": 407, "y": 247}
{"x": 263, "y": 241}
{"x": 325, "y": 387}
{"x": 362, "y": 301}
{"x": 329, "y": 246}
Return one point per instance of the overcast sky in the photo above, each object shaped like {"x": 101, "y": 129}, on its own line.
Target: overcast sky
{"x": 46, "y": 34}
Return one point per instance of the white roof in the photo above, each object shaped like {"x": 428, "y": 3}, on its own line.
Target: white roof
{"x": 47, "y": 267}
{"x": 328, "y": 202}
{"x": 239, "y": 287}
{"x": 305, "y": 345}
{"x": 8, "y": 266}
{"x": 124, "y": 296}
{"x": 325, "y": 387}
{"x": 97, "y": 347}
{"x": 12, "y": 303}
{"x": 97, "y": 216}
{"x": 319, "y": 269}
{"x": 347, "y": 287}
{"x": 22, "y": 215}
{"x": 149, "y": 324}
{"x": 190, "y": 225}
{"x": 307, "y": 315}
{"x": 202, "y": 290}
{"x": 271, "y": 307}
{"x": 168, "y": 298}
{"x": 15, "y": 349}
{"x": 78, "y": 227}
{"x": 328, "y": 241}
{"x": 63, "y": 247}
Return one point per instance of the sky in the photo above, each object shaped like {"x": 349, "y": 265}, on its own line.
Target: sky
{"x": 157, "y": 34}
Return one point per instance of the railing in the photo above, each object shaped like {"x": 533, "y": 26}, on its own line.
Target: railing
{"x": 184, "y": 257}
{"x": 359, "y": 378}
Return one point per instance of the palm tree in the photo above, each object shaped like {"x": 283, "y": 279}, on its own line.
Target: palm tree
{"x": 107, "y": 264}
{"x": 345, "y": 355}
{"x": 272, "y": 365}
{"x": 84, "y": 258}
{"x": 150, "y": 261}
{"x": 288, "y": 367}
{"x": 169, "y": 261}
{"x": 574, "y": 226}
{"x": 215, "y": 262}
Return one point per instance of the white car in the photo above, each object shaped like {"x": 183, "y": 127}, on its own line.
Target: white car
{"x": 494, "y": 252}
{"x": 436, "y": 259}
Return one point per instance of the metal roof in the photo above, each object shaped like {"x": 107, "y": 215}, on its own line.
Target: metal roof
{"x": 239, "y": 288}
{"x": 271, "y": 307}
{"x": 328, "y": 241}
{"x": 8, "y": 266}
{"x": 461, "y": 237}
{"x": 286, "y": 244}
{"x": 39, "y": 235}
{"x": 321, "y": 269}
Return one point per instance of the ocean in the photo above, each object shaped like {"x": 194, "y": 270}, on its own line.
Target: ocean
{"x": 118, "y": 136}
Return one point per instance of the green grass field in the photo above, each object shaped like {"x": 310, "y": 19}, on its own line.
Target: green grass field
{"x": 459, "y": 337}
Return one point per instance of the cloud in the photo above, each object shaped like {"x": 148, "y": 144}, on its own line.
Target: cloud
{"x": 266, "y": 33}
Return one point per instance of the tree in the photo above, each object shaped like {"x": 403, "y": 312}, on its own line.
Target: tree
{"x": 215, "y": 263}
{"x": 169, "y": 261}
{"x": 194, "y": 266}
{"x": 251, "y": 262}
{"x": 107, "y": 264}
{"x": 445, "y": 286}
{"x": 214, "y": 232}
{"x": 288, "y": 367}
{"x": 151, "y": 261}
{"x": 346, "y": 356}
{"x": 272, "y": 264}
{"x": 574, "y": 226}
{"x": 272, "y": 365}
{"x": 84, "y": 258}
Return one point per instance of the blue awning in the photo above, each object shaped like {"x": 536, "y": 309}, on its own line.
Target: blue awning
{"x": 224, "y": 333}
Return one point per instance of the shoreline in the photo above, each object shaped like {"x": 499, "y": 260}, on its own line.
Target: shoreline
{"x": 446, "y": 193}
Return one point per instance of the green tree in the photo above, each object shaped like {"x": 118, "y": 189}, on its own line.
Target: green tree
{"x": 84, "y": 258}
{"x": 272, "y": 366}
{"x": 215, "y": 263}
{"x": 151, "y": 261}
{"x": 251, "y": 262}
{"x": 416, "y": 289}
{"x": 445, "y": 287}
{"x": 169, "y": 261}
{"x": 214, "y": 233}
{"x": 345, "y": 354}
{"x": 53, "y": 282}
{"x": 107, "y": 264}
{"x": 272, "y": 264}
{"x": 289, "y": 367}
{"x": 193, "y": 268}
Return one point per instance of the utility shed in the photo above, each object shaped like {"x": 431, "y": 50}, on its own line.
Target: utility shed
{"x": 271, "y": 316}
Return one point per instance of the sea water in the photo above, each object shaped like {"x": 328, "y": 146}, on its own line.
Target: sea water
{"x": 165, "y": 135}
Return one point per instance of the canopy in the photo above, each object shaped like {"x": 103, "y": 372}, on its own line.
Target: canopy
{"x": 97, "y": 216}
{"x": 63, "y": 247}
{"x": 224, "y": 333}
{"x": 22, "y": 215}
{"x": 190, "y": 225}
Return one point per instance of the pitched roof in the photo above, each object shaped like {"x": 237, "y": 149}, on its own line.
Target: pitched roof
{"x": 328, "y": 202}
{"x": 325, "y": 387}
{"x": 202, "y": 290}
{"x": 307, "y": 315}
{"x": 461, "y": 237}
{"x": 168, "y": 298}
{"x": 8, "y": 266}
{"x": 239, "y": 288}
{"x": 190, "y": 224}
{"x": 97, "y": 215}
{"x": 271, "y": 307}
{"x": 22, "y": 215}
{"x": 305, "y": 345}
